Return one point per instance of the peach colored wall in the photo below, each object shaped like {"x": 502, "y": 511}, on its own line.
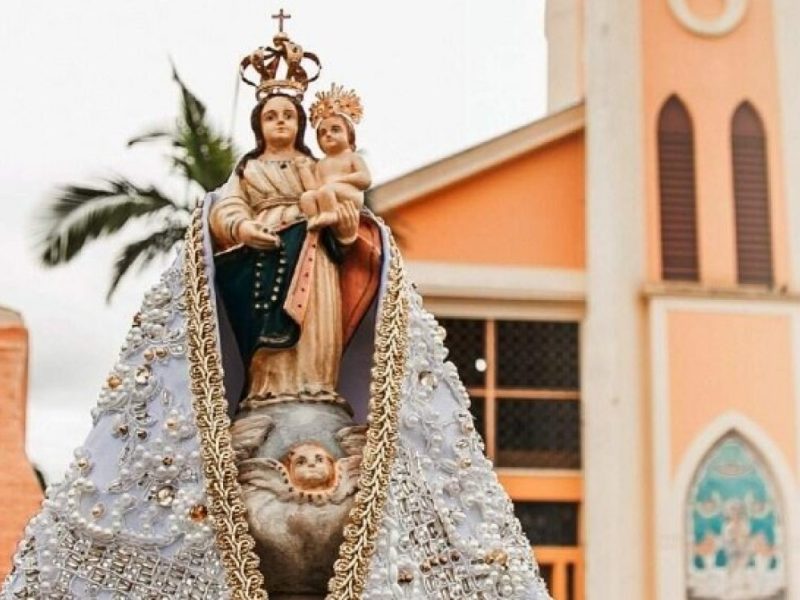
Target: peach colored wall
{"x": 706, "y": 9}
{"x": 526, "y": 212}
{"x": 712, "y": 76}
{"x": 720, "y": 362}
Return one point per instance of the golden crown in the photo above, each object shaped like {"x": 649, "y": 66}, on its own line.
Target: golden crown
{"x": 266, "y": 61}
{"x": 336, "y": 101}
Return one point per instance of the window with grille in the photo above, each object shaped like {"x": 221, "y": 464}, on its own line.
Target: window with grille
{"x": 538, "y": 432}
{"x": 751, "y": 197}
{"x": 523, "y": 378}
{"x": 524, "y": 381}
{"x": 677, "y": 207}
{"x": 549, "y": 523}
{"x": 553, "y": 530}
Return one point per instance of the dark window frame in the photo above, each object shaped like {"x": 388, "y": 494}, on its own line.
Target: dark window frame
{"x": 677, "y": 193}
{"x": 751, "y": 198}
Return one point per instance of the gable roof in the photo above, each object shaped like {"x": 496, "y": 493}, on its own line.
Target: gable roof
{"x": 456, "y": 167}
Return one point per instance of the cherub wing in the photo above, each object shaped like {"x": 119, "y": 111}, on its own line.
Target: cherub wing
{"x": 248, "y": 433}
{"x": 348, "y": 471}
{"x": 352, "y": 439}
{"x": 266, "y": 474}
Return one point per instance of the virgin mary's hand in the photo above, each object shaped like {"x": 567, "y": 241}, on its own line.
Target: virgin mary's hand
{"x": 346, "y": 229}
{"x": 303, "y": 162}
{"x": 253, "y": 234}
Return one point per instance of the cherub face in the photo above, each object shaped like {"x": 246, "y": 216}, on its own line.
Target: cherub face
{"x": 333, "y": 135}
{"x": 279, "y": 122}
{"x": 310, "y": 467}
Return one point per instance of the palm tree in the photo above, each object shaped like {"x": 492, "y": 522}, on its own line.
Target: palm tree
{"x": 79, "y": 214}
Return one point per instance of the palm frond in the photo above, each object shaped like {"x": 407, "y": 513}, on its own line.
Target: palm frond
{"x": 79, "y": 214}
{"x": 142, "y": 252}
{"x": 206, "y": 156}
{"x": 152, "y": 135}
{"x": 193, "y": 111}
{"x": 200, "y": 153}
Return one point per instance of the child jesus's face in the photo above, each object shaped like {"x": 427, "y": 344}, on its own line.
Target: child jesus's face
{"x": 332, "y": 135}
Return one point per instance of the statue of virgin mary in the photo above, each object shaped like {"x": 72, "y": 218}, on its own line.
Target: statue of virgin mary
{"x": 282, "y": 421}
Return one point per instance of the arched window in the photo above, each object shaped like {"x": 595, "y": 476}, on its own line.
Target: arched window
{"x": 735, "y": 533}
{"x": 751, "y": 196}
{"x": 677, "y": 192}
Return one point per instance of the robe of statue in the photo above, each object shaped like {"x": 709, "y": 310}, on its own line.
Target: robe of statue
{"x": 151, "y": 505}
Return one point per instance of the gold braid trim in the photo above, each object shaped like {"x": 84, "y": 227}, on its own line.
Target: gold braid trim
{"x": 227, "y": 511}
{"x": 389, "y": 361}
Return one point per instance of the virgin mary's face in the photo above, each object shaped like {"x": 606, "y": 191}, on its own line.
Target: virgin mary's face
{"x": 279, "y": 122}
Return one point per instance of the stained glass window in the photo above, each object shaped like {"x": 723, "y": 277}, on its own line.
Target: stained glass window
{"x": 735, "y": 546}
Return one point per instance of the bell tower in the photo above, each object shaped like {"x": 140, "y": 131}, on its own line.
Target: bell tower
{"x": 690, "y": 339}
{"x": 564, "y": 30}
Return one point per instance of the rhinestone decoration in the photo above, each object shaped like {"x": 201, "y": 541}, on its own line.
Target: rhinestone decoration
{"x": 449, "y": 530}
{"x": 142, "y": 533}
{"x": 131, "y": 518}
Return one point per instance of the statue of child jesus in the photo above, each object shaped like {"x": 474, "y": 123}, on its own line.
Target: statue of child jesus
{"x": 342, "y": 175}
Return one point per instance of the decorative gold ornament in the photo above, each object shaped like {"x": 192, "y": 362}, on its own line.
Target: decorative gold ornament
{"x": 497, "y": 556}
{"x": 225, "y": 505}
{"x": 198, "y": 513}
{"x": 143, "y": 374}
{"x": 165, "y": 495}
{"x": 336, "y": 101}
{"x": 266, "y": 61}
{"x": 391, "y": 350}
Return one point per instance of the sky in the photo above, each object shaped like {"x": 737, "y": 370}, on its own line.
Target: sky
{"x": 82, "y": 77}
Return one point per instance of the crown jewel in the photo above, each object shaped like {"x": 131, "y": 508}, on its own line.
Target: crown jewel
{"x": 336, "y": 101}
{"x": 266, "y": 61}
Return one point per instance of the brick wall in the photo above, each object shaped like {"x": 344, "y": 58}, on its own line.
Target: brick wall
{"x": 20, "y": 493}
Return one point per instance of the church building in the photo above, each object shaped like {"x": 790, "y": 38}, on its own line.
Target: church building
{"x": 620, "y": 283}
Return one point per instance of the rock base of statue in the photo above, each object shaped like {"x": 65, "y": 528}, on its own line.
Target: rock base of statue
{"x": 298, "y": 465}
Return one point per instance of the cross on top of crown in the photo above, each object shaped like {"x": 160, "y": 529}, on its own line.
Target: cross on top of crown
{"x": 281, "y": 17}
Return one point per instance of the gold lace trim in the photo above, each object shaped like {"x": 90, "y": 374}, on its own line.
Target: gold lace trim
{"x": 391, "y": 346}
{"x": 234, "y": 542}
